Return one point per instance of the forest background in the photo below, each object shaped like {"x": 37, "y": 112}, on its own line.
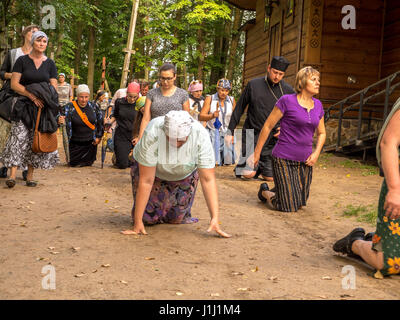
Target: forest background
{"x": 200, "y": 37}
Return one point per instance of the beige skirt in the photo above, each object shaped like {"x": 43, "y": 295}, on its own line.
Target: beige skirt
{"x": 5, "y": 129}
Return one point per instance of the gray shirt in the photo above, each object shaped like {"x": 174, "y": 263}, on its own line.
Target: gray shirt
{"x": 161, "y": 105}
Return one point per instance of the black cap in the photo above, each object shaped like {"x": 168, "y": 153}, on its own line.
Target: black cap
{"x": 279, "y": 63}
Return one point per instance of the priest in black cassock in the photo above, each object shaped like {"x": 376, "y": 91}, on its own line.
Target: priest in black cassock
{"x": 261, "y": 95}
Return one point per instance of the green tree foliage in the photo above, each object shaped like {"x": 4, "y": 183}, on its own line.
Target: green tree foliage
{"x": 195, "y": 35}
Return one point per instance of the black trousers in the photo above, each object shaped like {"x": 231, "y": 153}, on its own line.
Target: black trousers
{"x": 122, "y": 148}
{"x": 249, "y": 142}
{"x": 82, "y": 153}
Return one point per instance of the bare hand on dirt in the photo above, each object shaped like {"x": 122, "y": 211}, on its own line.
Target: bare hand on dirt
{"x": 392, "y": 204}
{"x": 137, "y": 229}
{"x": 214, "y": 226}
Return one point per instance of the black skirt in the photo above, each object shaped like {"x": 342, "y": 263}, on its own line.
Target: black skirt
{"x": 122, "y": 147}
{"x": 82, "y": 153}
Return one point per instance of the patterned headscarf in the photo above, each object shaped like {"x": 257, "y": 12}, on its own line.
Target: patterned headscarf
{"x": 195, "y": 85}
{"x": 178, "y": 124}
{"x": 38, "y": 34}
{"x": 224, "y": 83}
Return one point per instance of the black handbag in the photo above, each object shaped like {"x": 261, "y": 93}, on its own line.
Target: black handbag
{"x": 7, "y": 101}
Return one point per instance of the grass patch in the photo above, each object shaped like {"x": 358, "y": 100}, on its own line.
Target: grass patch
{"x": 367, "y": 170}
{"x": 366, "y": 214}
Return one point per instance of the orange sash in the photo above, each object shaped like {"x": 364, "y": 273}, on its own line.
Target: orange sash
{"x": 83, "y": 116}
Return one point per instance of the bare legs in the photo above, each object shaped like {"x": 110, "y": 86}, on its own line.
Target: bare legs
{"x": 364, "y": 250}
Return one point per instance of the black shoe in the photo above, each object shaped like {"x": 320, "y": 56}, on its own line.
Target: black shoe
{"x": 10, "y": 183}
{"x": 344, "y": 244}
{"x": 3, "y": 172}
{"x": 369, "y": 236}
{"x": 263, "y": 187}
{"x": 25, "y": 175}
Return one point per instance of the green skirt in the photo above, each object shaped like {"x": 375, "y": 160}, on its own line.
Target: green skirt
{"x": 387, "y": 237}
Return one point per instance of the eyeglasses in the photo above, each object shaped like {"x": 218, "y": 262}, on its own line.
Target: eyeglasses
{"x": 166, "y": 79}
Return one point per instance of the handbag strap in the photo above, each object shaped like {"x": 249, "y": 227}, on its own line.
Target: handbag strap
{"x": 38, "y": 119}
{"x": 83, "y": 116}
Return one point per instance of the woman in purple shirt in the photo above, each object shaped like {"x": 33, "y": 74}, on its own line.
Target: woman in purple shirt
{"x": 300, "y": 115}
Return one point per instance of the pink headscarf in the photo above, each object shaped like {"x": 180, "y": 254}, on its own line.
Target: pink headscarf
{"x": 195, "y": 86}
{"x": 133, "y": 87}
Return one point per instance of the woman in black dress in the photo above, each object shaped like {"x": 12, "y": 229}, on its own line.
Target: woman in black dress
{"x": 84, "y": 124}
{"x": 124, "y": 114}
{"x": 5, "y": 75}
{"x": 30, "y": 70}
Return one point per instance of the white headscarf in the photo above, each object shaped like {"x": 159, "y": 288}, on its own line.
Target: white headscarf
{"x": 81, "y": 89}
{"x": 178, "y": 124}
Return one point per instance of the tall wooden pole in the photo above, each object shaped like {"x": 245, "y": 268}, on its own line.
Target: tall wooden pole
{"x": 128, "y": 50}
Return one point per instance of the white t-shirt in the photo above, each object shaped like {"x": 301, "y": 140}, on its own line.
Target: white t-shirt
{"x": 174, "y": 164}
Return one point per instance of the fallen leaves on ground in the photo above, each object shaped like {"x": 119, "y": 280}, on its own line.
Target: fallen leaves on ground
{"x": 79, "y": 275}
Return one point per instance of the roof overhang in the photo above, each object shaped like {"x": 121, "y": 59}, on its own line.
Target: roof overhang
{"x": 244, "y": 4}
{"x": 248, "y": 25}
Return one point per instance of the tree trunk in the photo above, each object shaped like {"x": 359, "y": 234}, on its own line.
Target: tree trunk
{"x": 179, "y": 70}
{"x": 201, "y": 46}
{"x": 78, "y": 42}
{"x": 234, "y": 43}
{"x": 60, "y": 38}
{"x": 226, "y": 39}
{"x": 90, "y": 76}
{"x": 217, "y": 50}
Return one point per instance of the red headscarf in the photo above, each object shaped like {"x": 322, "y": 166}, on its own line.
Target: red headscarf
{"x": 133, "y": 87}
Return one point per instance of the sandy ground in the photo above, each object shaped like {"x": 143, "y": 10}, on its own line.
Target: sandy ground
{"x": 271, "y": 255}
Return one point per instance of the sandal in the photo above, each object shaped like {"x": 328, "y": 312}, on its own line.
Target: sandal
{"x": 10, "y": 183}
{"x": 263, "y": 187}
{"x": 344, "y": 245}
{"x": 31, "y": 183}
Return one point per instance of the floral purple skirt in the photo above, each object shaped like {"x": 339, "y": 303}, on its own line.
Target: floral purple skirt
{"x": 170, "y": 201}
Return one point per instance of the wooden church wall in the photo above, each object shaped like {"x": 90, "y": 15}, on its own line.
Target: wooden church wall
{"x": 284, "y": 31}
{"x": 353, "y": 53}
{"x": 391, "y": 39}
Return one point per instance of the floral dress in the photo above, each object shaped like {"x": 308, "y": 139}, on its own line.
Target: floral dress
{"x": 387, "y": 234}
{"x": 387, "y": 237}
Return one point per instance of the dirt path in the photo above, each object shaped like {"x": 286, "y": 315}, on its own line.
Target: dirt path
{"x": 271, "y": 255}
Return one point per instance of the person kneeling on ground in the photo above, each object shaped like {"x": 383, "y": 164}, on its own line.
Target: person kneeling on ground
{"x": 84, "y": 125}
{"x": 173, "y": 153}
{"x": 125, "y": 114}
{"x": 293, "y": 158}
{"x": 383, "y": 252}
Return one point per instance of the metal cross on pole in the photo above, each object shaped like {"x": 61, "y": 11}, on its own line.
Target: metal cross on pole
{"x": 128, "y": 50}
